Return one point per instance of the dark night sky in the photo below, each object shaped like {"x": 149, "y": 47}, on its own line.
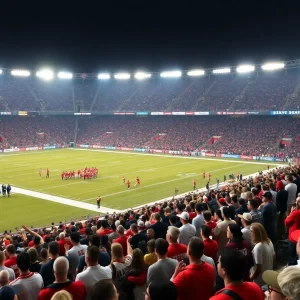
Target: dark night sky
{"x": 148, "y": 35}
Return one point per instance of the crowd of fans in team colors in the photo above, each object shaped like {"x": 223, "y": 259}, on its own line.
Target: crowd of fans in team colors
{"x": 214, "y": 245}
{"x": 165, "y": 133}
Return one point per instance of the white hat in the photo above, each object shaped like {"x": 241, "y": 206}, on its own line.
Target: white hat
{"x": 141, "y": 224}
{"x": 184, "y": 215}
{"x": 147, "y": 224}
{"x": 246, "y": 217}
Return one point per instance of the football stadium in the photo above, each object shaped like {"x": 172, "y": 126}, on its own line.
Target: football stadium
{"x": 163, "y": 165}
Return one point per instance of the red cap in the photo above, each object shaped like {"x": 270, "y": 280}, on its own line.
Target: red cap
{"x": 222, "y": 201}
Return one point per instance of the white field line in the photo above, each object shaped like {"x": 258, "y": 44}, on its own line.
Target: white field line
{"x": 175, "y": 156}
{"x": 160, "y": 183}
{"x": 62, "y": 200}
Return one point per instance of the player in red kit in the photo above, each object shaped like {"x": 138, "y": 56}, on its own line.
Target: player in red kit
{"x": 209, "y": 176}
{"x": 40, "y": 172}
{"x": 203, "y": 175}
{"x": 48, "y": 173}
{"x": 128, "y": 184}
{"x": 194, "y": 184}
{"x": 138, "y": 182}
{"x": 62, "y": 175}
{"x": 123, "y": 180}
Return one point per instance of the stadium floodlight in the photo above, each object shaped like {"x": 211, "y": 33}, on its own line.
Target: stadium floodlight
{"x": 221, "y": 71}
{"x": 170, "y": 74}
{"x": 103, "y": 76}
{"x": 245, "y": 68}
{"x": 122, "y": 76}
{"x": 65, "y": 75}
{"x": 45, "y": 74}
{"x": 272, "y": 66}
{"x": 196, "y": 73}
{"x": 21, "y": 73}
{"x": 1, "y": 71}
{"x": 142, "y": 75}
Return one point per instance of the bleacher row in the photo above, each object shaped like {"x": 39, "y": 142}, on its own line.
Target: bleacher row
{"x": 226, "y": 92}
{"x": 169, "y": 133}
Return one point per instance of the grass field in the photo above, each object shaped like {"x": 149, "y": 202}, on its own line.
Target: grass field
{"x": 159, "y": 175}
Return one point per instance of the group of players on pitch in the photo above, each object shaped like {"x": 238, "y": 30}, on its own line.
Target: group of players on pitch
{"x": 128, "y": 183}
{"x": 86, "y": 173}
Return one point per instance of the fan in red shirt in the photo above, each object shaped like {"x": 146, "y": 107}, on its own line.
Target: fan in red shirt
{"x": 60, "y": 268}
{"x": 210, "y": 246}
{"x": 104, "y": 228}
{"x": 208, "y": 220}
{"x": 175, "y": 250}
{"x": 197, "y": 280}
{"x": 231, "y": 269}
{"x": 11, "y": 262}
{"x": 61, "y": 243}
{"x": 122, "y": 239}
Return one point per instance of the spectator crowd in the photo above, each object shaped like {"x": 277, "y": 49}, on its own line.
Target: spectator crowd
{"x": 218, "y": 244}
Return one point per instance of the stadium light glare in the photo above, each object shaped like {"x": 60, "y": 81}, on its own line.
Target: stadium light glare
{"x": 45, "y": 74}
{"x": 196, "y": 73}
{"x": 122, "y": 76}
{"x": 170, "y": 74}
{"x": 65, "y": 75}
{"x": 1, "y": 71}
{"x": 103, "y": 76}
{"x": 21, "y": 73}
{"x": 221, "y": 71}
{"x": 142, "y": 75}
{"x": 245, "y": 68}
{"x": 272, "y": 66}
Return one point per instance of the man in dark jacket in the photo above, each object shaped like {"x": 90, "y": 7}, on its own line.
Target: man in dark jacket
{"x": 281, "y": 204}
{"x": 159, "y": 227}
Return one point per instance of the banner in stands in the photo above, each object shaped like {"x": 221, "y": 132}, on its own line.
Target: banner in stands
{"x": 201, "y": 113}
{"x": 98, "y": 147}
{"x": 266, "y": 158}
{"x": 208, "y": 154}
{"x": 230, "y": 156}
{"x": 167, "y": 113}
{"x": 246, "y": 157}
{"x": 157, "y": 113}
{"x": 34, "y": 148}
{"x": 142, "y": 113}
{"x": 279, "y": 159}
{"x": 126, "y": 149}
{"x": 285, "y": 112}
{"x": 139, "y": 149}
{"x": 82, "y": 114}
{"x": 83, "y": 146}
{"x": 11, "y": 150}
{"x": 156, "y": 151}
{"x": 178, "y": 113}
{"x": 109, "y": 148}
{"x": 50, "y": 147}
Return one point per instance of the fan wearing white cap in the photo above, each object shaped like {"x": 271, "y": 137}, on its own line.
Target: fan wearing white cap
{"x": 187, "y": 231}
{"x": 246, "y": 220}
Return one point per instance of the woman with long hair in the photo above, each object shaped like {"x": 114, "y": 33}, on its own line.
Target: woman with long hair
{"x": 135, "y": 283}
{"x": 263, "y": 253}
{"x": 236, "y": 241}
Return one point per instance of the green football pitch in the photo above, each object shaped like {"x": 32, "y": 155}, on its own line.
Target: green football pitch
{"x": 159, "y": 176}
